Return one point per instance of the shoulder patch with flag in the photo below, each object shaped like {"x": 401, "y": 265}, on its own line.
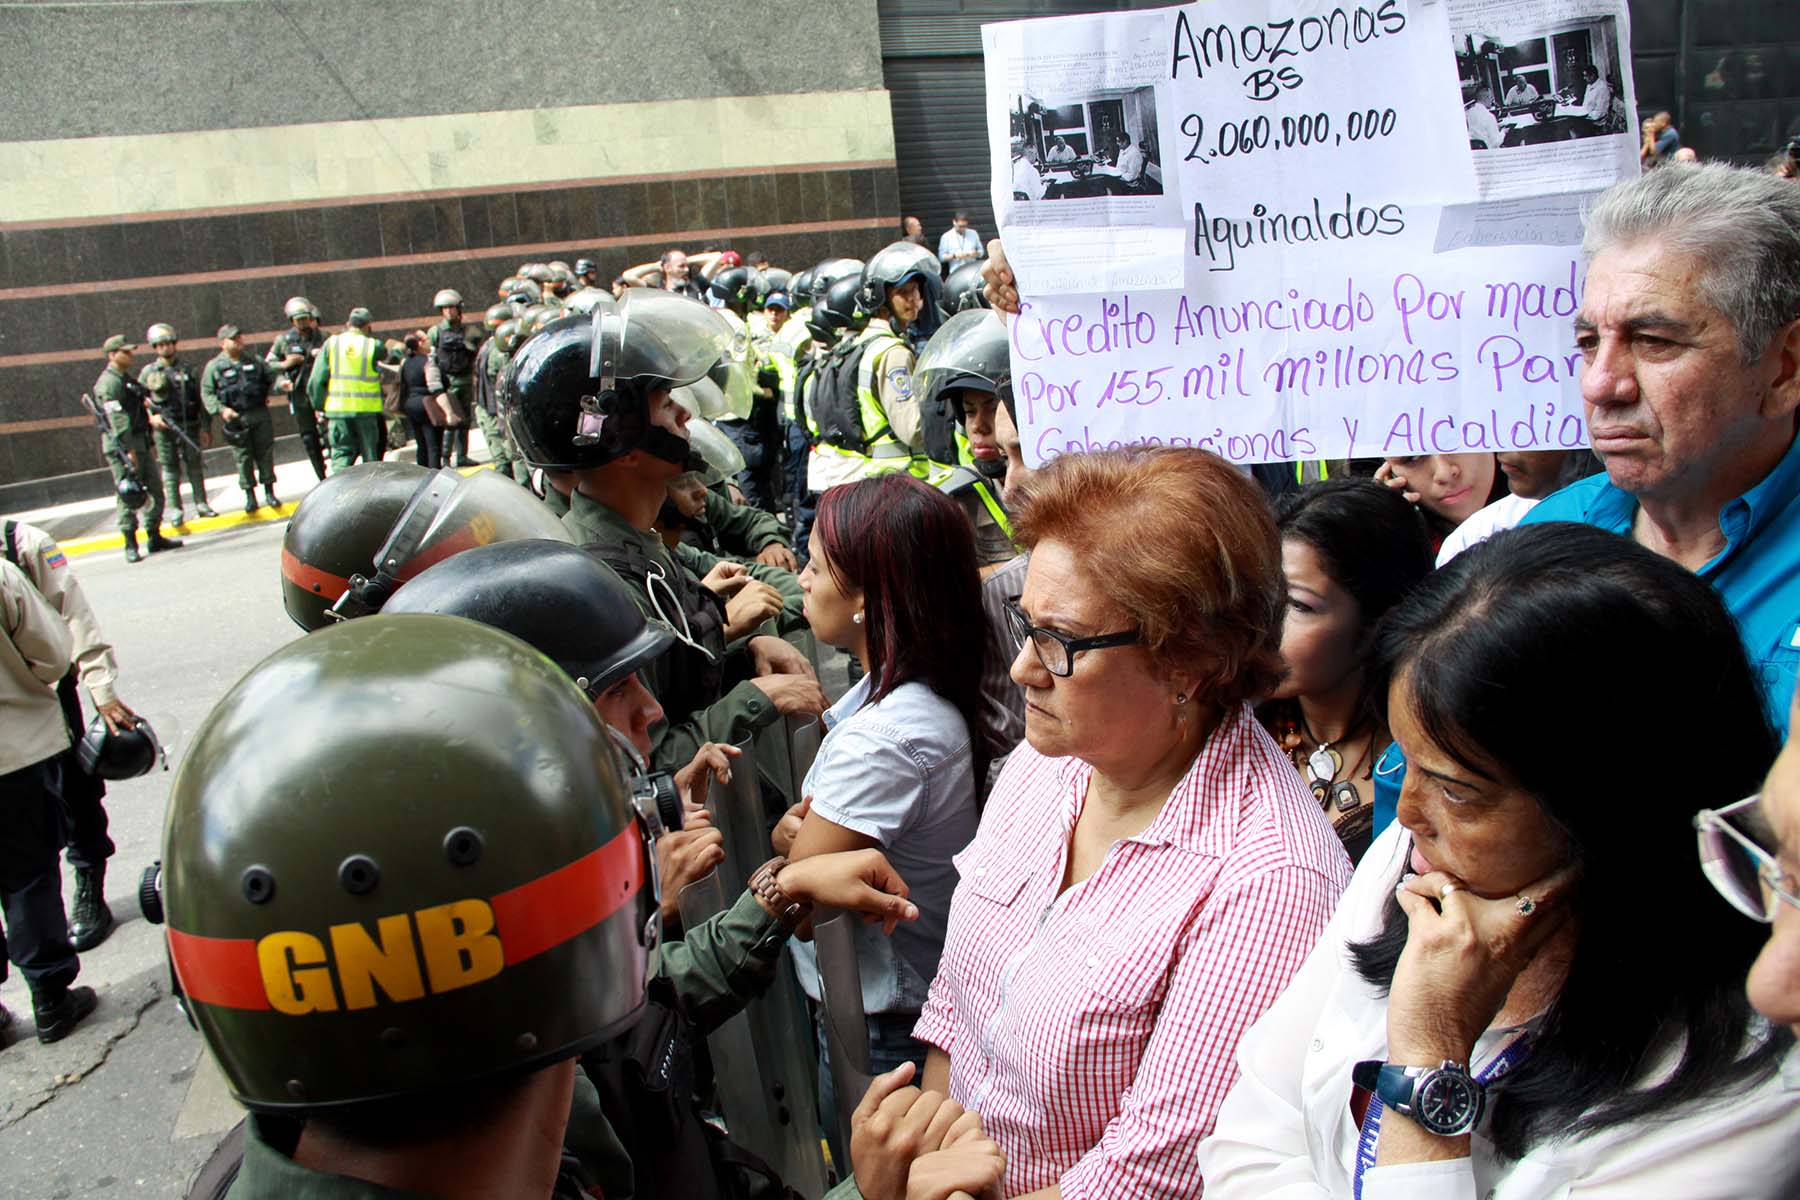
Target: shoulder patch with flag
{"x": 56, "y": 558}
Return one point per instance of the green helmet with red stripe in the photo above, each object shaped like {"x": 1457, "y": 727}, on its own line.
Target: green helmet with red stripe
{"x": 435, "y": 876}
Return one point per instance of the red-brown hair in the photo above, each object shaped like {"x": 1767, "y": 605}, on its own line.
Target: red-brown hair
{"x": 1184, "y": 546}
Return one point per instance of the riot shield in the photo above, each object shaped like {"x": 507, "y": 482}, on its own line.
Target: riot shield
{"x": 841, "y": 1011}
{"x": 763, "y": 1060}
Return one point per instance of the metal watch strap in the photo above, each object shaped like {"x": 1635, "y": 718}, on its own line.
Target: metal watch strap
{"x": 788, "y": 911}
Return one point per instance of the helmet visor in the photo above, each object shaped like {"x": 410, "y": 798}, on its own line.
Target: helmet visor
{"x": 723, "y": 458}
{"x": 894, "y": 263}
{"x": 452, "y": 512}
{"x": 658, "y": 337}
{"x": 969, "y": 351}
{"x": 705, "y": 399}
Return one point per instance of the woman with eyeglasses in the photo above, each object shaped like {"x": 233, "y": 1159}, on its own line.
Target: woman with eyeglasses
{"x": 891, "y": 578}
{"x": 1750, "y": 851}
{"x": 1150, "y": 870}
{"x": 1526, "y": 990}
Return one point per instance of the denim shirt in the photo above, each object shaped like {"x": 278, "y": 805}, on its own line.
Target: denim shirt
{"x": 901, "y": 771}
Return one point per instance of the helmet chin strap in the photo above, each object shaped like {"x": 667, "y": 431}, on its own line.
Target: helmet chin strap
{"x": 667, "y": 446}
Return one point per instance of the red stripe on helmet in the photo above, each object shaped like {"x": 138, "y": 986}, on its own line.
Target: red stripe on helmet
{"x": 552, "y": 909}
{"x": 221, "y": 971}
{"x": 320, "y": 583}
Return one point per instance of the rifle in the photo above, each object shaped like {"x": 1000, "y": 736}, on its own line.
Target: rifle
{"x": 129, "y": 483}
{"x": 163, "y": 410}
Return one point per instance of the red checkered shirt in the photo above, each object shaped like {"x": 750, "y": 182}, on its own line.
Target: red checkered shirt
{"x": 1096, "y": 1031}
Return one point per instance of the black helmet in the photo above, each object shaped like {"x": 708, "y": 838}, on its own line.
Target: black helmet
{"x": 733, "y": 285}
{"x": 963, "y": 290}
{"x": 108, "y": 755}
{"x": 360, "y": 534}
{"x": 836, "y": 310}
{"x": 892, "y": 266}
{"x": 970, "y": 351}
{"x": 558, "y": 598}
{"x": 829, "y": 272}
{"x": 775, "y": 280}
{"x": 577, "y": 392}
{"x": 131, "y": 491}
{"x": 800, "y": 287}
{"x": 435, "y": 877}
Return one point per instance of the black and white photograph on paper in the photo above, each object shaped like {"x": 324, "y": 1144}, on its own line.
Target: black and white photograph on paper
{"x": 1103, "y": 144}
{"x": 1559, "y": 84}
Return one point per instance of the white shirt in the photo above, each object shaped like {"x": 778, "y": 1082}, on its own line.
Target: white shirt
{"x": 1027, "y": 180}
{"x": 956, "y": 241}
{"x": 900, "y": 771}
{"x": 1482, "y": 125}
{"x": 1131, "y": 164}
{"x": 1064, "y": 153}
{"x": 1483, "y": 524}
{"x": 34, "y": 655}
{"x": 1596, "y": 104}
{"x": 48, "y": 568}
{"x": 1286, "y": 1131}
{"x": 1521, "y": 93}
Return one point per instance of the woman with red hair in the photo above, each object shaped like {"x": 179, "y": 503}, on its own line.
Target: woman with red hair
{"x": 892, "y": 579}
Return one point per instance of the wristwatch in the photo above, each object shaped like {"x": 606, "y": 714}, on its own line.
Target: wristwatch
{"x": 789, "y": 911}
{"x": 1445, "y": 1100}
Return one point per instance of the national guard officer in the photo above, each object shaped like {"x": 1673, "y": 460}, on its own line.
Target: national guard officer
{"x": 490, "y": 361}
{"x": 962, "y": 377}
{"x": 236, "y": 387}
{"x": 587, "y": 273}
{"x": 294, "y": 351}
{"x": 416, "y": 977}
{"x": 125, "y": 405}
{"x": 175, "y": 397}
{"x": 346, "y": 384}
{"x": 450, "y": 371}
{"x": 609, "y": 443}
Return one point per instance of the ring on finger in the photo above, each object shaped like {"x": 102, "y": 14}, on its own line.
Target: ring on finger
{"x": 1444, "y": 892}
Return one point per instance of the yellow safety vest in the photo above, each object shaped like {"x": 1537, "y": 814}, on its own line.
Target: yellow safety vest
{"x": 353, "y": 385}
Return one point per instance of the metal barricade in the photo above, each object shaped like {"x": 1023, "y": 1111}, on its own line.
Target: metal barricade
{"x": 841, "y": 1012}
{"x": 763, "y": 1060}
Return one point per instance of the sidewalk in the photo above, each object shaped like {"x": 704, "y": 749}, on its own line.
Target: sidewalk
{"x": 88, "y": 526}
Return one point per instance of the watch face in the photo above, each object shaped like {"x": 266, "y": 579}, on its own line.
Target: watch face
{"x": 1447, "y": 1102}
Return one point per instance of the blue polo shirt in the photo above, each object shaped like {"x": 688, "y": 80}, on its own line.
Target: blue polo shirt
{"x": 1757, "y": 575}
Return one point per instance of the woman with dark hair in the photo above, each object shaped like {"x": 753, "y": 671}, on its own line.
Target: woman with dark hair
{"x": 1530, "y": 476}
{"x": 892, "y": 579}
{"x": 1448, "y": 488}
{"x": 1149, "y": 871}
{"x": 428, "y": 415}
{"x": 1350, "y": 549}
{"x": 1524, "y": 991}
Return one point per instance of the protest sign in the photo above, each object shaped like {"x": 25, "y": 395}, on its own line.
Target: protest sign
{"x": 1265, "y": 226}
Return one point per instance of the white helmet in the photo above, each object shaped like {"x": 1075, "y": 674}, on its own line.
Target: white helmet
{"x": 160, "y": 333}
{"x": 447, "y": 298}
{"x": 300, "y": 306}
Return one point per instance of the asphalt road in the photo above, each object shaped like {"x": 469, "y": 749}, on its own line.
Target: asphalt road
{"x": 129, "y": 1104}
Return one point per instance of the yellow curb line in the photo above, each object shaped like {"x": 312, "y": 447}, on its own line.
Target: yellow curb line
{"x": 116, "y": 541}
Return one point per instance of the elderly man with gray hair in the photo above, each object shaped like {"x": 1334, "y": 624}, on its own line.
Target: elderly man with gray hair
{"x": 1689, "y": 331}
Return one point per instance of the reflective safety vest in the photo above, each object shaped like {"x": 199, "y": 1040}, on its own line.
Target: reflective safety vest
{"x": 786, "y": 348}
{"x": 886, "y": 452}
{"x": 353, "y": 384}
{"x": 955, "y": 480}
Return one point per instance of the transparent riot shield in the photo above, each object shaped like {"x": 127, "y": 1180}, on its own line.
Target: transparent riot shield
{"x": 764, "y": 1066}
{"x": 841, "y": 1012}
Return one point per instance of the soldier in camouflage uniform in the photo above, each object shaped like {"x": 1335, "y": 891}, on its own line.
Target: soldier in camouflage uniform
{"x": 236, "y": 386}
{"x": 174, "y": 390}
{"x": 124, "y": 403}
{"x": 450, "y": 371}
{"x": 293, "y": 351}
{"x": 490, "y": 361}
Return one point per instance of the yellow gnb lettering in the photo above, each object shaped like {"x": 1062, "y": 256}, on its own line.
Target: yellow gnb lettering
{"x": 294, "y": 974}
{"x": 387, "y": 959}
{"x": 459, "y": 944}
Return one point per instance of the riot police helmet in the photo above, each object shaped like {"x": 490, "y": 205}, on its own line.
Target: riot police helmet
{"x": 447, "y": 298}
{"x": 893, "y": 266}
{"x": 361, "y": 318}
{"x": 579, "y": 390}
{"x": 586, "y": 266}
{"x": 299, "y": 306}
{"x": 539, "y": 273}
{"x": 712, "y": 456}
{"x": 559, "y": 598}
{"x": 836, "y": 311}
{"x": 131, "y": 492}
{"x": 970, "y": 351}
{"x": 159, "y": 333}
{"x": 524, "y": 291}
{"x": 801, "y": 287}
{"x": 963, "y": 290}
{"x": 776, "y": 280}
{"x": 586, "y": 300}
{"x": 707, "y": 400}
{"x": 435, "y": 878}
{"x": 507, "y": 334}
{"x": 360, "y": 534}
{"x": 496, "y": 315}
{"x": 829, "y": 272}
{"x": 124, "y": 754}
{"x": 732, "y": 287}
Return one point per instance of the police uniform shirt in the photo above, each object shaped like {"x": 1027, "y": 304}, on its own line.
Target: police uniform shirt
{"x": 48, "y": 568}
{"x": 34, "y": 655}
{"x": 122, "y": 400}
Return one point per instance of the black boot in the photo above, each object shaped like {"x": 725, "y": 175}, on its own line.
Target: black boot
{"x": 6, "y": 1024}
{"x": 57, "y": 1018}
{"x": 203, "y": 509}
{"x": 90, "y": 920}
{"x": 269, "y": 498}
{"x": 159, "y": 543}
{"x": 131, "y": 550}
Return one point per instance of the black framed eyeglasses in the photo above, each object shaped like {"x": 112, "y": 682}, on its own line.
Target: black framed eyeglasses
{"x": 1057, "y": 650}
